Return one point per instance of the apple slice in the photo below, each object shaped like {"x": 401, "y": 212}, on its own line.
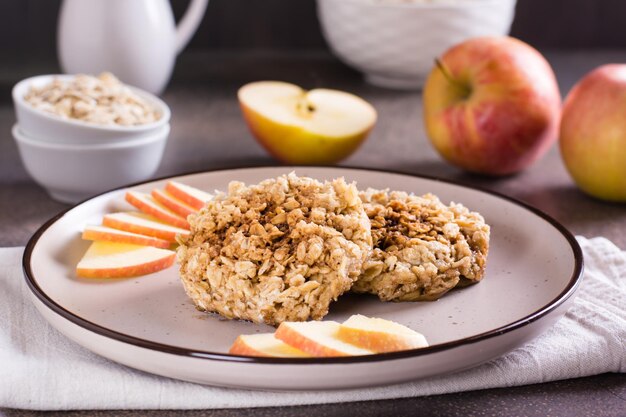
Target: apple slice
{"x": 149, "y": 206}
{"x": 194, "y": 197}
{"x": 143, "y": 224}
{"x": 317, "y": 338}
{"x": 379, "y": 335}
{"x": 320, "y": 126}
{"x": 264, "y": 344}
{"x": 104, "y": 233}
{"x": 117, "y": 260}
{"x": 177, "y": 206}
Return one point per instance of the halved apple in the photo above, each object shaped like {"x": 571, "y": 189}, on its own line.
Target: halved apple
{"x": 320, "y": 126}
{"x": 176, "y": 205}
{"x": 317, "y": 338}
{"x": 118, "y": 260}
{"x": 193, "y": 196}
{"x": 143, "y": 224}
{"x": 379, "y": 335}
{"x": 264, "y": 344}
{"x": 109, "y": 234}
{"x": 150, "y": 206}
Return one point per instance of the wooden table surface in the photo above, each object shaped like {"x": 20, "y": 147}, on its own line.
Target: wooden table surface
{"x": 207, "y": 132}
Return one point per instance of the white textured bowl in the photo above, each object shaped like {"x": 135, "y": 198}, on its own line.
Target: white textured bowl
{"x": 71, "y": 173}
{"x": 395, "y": 45}
{"x": 43, "y": 126}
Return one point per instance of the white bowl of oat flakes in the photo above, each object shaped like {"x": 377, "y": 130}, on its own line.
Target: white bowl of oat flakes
{"x": 83, "y": 110}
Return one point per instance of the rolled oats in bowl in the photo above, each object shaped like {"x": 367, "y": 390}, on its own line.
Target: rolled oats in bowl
{"x": 101, "y": 100}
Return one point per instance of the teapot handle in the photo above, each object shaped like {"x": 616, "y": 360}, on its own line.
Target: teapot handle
{"x": 189, "y": 23}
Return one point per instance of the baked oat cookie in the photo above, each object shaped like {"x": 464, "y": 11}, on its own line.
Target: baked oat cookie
{"x": 281, "y": 250}
{"x": 422, "y": 248}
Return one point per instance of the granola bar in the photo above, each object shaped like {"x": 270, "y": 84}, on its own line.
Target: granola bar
{"x": 281, "y": 250}
{"x": 422, "y": 248}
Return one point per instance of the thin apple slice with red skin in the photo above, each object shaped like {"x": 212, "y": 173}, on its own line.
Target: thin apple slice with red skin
{"x": 379, "y": 335}
{"x": 143, "y": 224}
{"x": 177, "y": 206}
{"x": 121, "y": 260}
{"x": 195, "y": 197}
{"x": 109, "y": 234}
{"x": 264, "y": 345}
{"x": 148, "y": 205}
{"x": 317, "y": 338}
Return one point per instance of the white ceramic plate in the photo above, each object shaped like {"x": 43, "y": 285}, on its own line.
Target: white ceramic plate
{"x": 148, "y": 323}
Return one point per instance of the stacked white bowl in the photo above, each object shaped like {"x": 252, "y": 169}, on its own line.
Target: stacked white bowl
{"x": 73, "y": 159}
{"x": 394, "y": 42}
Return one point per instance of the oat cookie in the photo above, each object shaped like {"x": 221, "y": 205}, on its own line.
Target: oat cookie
{"x": 422, "y": 248}
{"x": 281, "y": 250}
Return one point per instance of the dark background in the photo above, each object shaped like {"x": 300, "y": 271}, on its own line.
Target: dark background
{"x": 28, "y": 27}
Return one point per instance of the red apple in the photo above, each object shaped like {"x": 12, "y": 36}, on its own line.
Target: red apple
{"x": 593, "y": 133}
{"x": 492, "y": 105}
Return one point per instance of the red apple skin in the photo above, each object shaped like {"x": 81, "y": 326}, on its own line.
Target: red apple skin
{"x": 593, "y": 133}
{"x": 240, "y": 347}
{"x": 510, "y": 117}
{"x": 129, "y": 271}
{"x": 115, "y": 223}
{"x": 177, "y": 206}
{"x": 90, "y": 234}
{"x": 166, "y": 216}
{"x": 175, "y": 189}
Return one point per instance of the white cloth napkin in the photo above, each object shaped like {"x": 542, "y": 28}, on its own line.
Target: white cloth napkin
{"x": 41, "y": 369}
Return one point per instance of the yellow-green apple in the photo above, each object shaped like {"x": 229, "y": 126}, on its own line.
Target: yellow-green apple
{"x": 319, "y": 126}
{"x": 177, "y": 206}
{"x": 593, "y": 133}
{"x": 118, "y": 260}
{"x": 492, "y": 105}
{"x": 264, "y": 344}
{"x": 143, "y": 224}
{"x": 194, "y": 197}
{"x": 104, "y": 233}
{"x": 379, "y": 335}
{"x": 317, "y": 338}
{"x": 149, "y": 205}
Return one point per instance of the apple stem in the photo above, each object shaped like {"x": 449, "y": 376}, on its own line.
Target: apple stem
{"x": 446, "y": 73}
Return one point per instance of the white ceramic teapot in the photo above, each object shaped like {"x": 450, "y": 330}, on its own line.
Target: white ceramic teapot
{"x": 137, "y": 40}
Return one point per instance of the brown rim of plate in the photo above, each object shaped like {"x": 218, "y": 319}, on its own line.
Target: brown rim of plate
{"x": 174, "y": 350}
